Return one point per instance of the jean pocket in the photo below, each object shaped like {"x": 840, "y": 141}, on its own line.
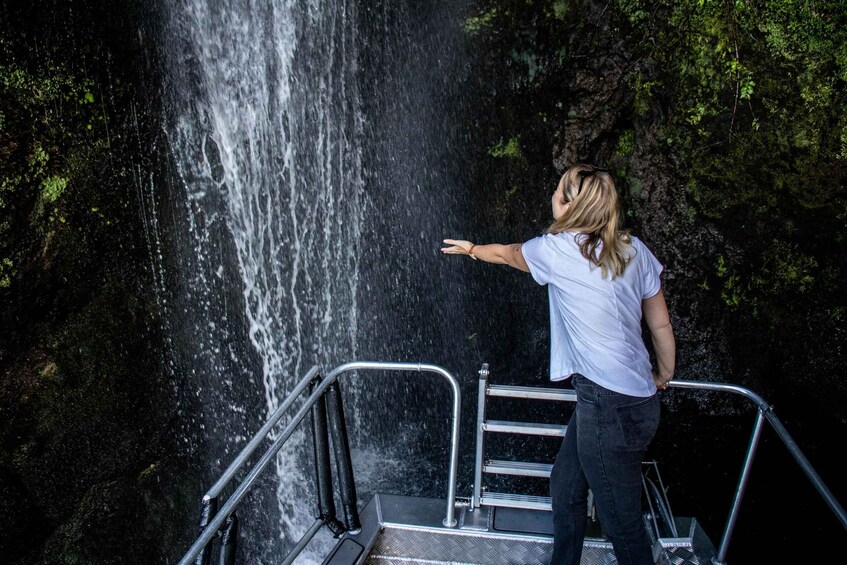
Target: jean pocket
{"x": 585, "y": 389}
{"x": 638, "y": 422}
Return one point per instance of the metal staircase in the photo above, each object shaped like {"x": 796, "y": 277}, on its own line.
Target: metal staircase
{"x": 519, "y": 468}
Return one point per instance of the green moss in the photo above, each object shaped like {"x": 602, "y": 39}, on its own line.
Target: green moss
{"x": 55, "y": 115}
{"x": 626, "y": 144}
{"x": 507, "y": 149}
{"x": 721, "y": 268}
{"x": 733, "y": 293}
{"x": 643, "y": 90}
{"x": 52, "y": 188}
{"x": 560, "y": 9}
{"x": 6, "y": 272}
{"x": 483, "y": 22}
{"x": 634, "y": 185}
{"x": 787, "y": 270}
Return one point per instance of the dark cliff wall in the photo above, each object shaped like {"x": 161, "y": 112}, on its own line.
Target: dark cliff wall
{"x": 723, "y": 123}
{"x": 88, "y": 470}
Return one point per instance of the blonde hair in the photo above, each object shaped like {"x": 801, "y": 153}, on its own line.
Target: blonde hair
{"x": 594, "y": 212}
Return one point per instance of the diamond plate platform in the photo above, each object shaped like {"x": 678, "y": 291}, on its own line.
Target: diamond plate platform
{"x": 408, "y": 530}
{"x": 428, "y": 547}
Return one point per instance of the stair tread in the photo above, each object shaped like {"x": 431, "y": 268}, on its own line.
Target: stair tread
{"x": 529, "y": 428}
{"x": 520, "y": 464}
{"x": 534, "y": 392}
{"x": 520, "y": 468}
{"x": 516, "y": 501}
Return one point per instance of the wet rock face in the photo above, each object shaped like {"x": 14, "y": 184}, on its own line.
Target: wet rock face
{"x": 599, "y": 100}
{"x": 687, "y": 249}
{"x": 579, "y": 104}
{"x": 590, "y": 106}
{"x": 598, "y": 113}
{"x": 89, "y": 471}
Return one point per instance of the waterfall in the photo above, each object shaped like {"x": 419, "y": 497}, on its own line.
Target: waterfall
{"x": 305, "y": 187}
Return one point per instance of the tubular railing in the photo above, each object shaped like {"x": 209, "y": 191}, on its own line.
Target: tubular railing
{"x": 324, "y": 393}
{"x": 764, "y": 412}
{"x": 212, "y": 520}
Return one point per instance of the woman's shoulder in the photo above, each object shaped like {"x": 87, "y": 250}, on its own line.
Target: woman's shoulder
{"x": 562, "y": 240}
{"x": 637, "y": 249}
{"x": 643, "y": 254}
{"x": 553, "y": 244}
{"x": 636, "y": 243}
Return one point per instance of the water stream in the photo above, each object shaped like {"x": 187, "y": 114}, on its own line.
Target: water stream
{"x": 313, "y": 165}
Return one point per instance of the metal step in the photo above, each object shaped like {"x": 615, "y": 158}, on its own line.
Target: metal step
{"x": 532, "y": 392}
{"x": 516, "y": 501}
{"x": 525, "y": 428}
{"x": 520, "y": 468}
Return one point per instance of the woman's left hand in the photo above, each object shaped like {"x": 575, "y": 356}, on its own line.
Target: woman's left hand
{"x": 457, "y": 247}
{"x": 661, "y": 383}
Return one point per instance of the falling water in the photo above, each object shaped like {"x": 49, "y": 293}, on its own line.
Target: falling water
{"x": 304, "y": 170}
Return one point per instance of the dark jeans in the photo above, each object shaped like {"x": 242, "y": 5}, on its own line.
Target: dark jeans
{"x": 603, "y": 448}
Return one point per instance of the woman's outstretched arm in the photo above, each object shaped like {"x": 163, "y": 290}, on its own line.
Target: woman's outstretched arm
{"x": 493, "y": 253}
{"x": 655, "y": 311}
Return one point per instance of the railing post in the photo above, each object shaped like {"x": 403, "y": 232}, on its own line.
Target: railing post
{"x": 720, "y": 558}
{"x": 343, "y": 463}
{"x": 229, "y": 541}
{"x": 323, "y": 472}
{"x": 208, "y": 510}
{"x": 480, "y": 419}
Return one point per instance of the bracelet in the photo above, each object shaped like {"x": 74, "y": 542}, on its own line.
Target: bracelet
{"x": 470, "y": 252}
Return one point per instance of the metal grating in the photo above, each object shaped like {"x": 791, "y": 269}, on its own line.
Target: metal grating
{"x": 422, "y": 546}
{"x": 408, "y": 530}
{"x": 402, "y": 546}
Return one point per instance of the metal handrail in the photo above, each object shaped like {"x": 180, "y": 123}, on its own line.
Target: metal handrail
{"x": 449, "y": 520}
{"x": 765, "y": 412}
{"x": 215, "y": 524}
{"x": 248, "y": 450}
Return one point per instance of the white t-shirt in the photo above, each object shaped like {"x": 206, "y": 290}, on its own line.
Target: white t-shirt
{"x": 595, "y": 323}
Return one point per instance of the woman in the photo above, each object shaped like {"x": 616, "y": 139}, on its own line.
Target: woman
{"x": 601, "y": 281}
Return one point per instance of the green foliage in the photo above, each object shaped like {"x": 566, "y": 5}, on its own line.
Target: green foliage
{"x": 54, "y": 115}
{"x": 626, "y": 143}
{"x": 52, "y": 188}
{"x": 643, "y": 90}
{"x": 48, "y": 144}
{"x": 757, "y": 98}
{"x": 6, "y": 272}
{"x": 510, "y": 149}
{"x": 560, "y": 9}
{"x": 480, "y": 23}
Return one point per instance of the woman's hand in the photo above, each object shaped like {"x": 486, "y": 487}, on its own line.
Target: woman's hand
{"x": 492, "y": 253}
{"x": 457, "y": 247}
{"x": 661, "y": 383}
